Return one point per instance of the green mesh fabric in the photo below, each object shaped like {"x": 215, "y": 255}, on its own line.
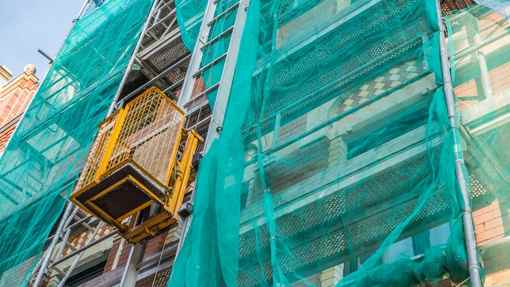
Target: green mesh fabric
{"x": 213, "y": 60}
{"x": 498, "y": 6}
{"x": 480, "y": 51}
{"x": 336, "y": 161}
{"x": 45, "y": 156}
{"x": 189, "y": 17}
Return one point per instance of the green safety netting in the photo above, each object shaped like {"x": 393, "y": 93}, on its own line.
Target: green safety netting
{"x": 45, "y": 155}
{"x": 479, "y": 47}
{"x": 336, "y": 160}
{"x": 189, "y": 15}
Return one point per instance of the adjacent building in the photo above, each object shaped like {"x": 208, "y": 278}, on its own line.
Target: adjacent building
{"x": 15, "y": 94}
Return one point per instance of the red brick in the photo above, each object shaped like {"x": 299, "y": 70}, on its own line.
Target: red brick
{"x": 111, "y": 255}
{"x": 488, "y": 223}
{"x": 160, "y": 281}
{"x": 14, "y": 98}
{"x": 154, "y": 245}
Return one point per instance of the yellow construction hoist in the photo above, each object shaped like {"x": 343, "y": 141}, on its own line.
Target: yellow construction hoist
{"x": 139, "y": 167}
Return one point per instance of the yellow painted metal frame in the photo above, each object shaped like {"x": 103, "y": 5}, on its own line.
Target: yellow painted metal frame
{"x": 181, "y": 183}
{"x": 172, "y": 163}
{"x": 150, "y": 227}
{"x": 168, "y": 216}
{"x": 177, "y": 185}
{"x": 78, "y": 203}
{"x": 152, "y": 196}
{"x": 112, "y": 142}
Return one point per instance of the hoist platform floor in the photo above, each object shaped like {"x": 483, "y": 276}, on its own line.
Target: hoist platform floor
{"x": 120, "y": 194}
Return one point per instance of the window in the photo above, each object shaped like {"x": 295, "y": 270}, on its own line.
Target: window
{"x": 380, "y": 132}
{"x": 439, "y": 235}
{"x": 399, "y": 250}
{"x": 87, "y": 272}
{"x": 417, "y": 244}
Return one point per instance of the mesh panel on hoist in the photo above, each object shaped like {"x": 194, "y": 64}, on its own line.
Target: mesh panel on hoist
{"x": 335, "y": 165}
{"x": 46, "y": 153}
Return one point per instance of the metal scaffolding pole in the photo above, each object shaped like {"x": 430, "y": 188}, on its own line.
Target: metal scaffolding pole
{"x": 47, "y": 256}
{"x": 77, "y": 258}
{"x": 133, "y": 57}
{"x": 130, "y": 271}
{"x": 82, "y": 10}
{"x": 225, "y": 83}
{"x": 136, "y": 253}
{"x": 186, "y": 93}
{"x": 469, "y": 231}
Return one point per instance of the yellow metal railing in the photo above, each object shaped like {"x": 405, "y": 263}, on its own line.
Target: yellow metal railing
{"x": 142, "y": 132}
{"x": 134, "y": 164}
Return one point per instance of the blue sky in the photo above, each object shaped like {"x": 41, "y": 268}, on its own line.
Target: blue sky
{"x": 28, "y": 25}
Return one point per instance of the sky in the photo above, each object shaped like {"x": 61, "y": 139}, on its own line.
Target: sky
{"x": 28, "y": 25}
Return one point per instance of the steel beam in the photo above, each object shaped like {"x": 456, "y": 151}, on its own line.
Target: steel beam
{"x": 227, "y": 76}
{"x": 196, "y": 56}
{"x": 46, "y": 259}
{"x": 130, "y": 272}
{"x": 133, "y": 58}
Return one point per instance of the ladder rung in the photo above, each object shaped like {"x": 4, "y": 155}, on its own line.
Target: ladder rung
{"x": 219, "y": 36}
{"x": 208, "y": 90}
{"x": 210, "y": 64}
{"x": 174, "y": 85}
{"x": 230, "y": 8}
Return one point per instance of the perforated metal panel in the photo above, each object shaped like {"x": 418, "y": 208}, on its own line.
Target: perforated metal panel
{"x": 146, "y": 132}
{"x": 349, "y": 222}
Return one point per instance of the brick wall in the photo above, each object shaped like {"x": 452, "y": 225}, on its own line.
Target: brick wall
{"x": 498, "y": 279}
{"x": 116, "y": 259}
{"x": 118, "y": 254}
{"x": 14, "y": 101}
{"x": 124, "y": 255}
{"x": 154, "y": 245}
{"x": 450, "y": 6}
{"x": 110, "y": 261}
{"x": 6, "y": 133}
{"x": 15, "y": 95}
{"x": 488, "y": 223}
{"x": 496, "y": 264}
{"x": 159, "y": 279}
{"x": 79, "y": 240}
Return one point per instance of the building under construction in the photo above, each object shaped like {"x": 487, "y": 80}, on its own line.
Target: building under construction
{"x": 266, "y": 143}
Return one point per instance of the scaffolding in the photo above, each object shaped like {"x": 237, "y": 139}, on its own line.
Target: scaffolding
{"x": 310, "y": 111}
{"x": 341, "y": 141}
{"x": 159, "y": 60}
{"x": 45, "y": 154}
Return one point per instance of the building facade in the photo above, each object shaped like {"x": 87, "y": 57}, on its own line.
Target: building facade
{"x": 339, "y": 148}
{"x": 15, "y": 95}
{"x": 480, "y": 47}
{"x": 87, "y": 251}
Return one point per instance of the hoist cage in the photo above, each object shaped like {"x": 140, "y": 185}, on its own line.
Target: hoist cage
{"x": 137, "y": 171}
